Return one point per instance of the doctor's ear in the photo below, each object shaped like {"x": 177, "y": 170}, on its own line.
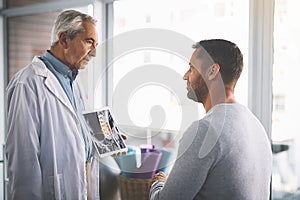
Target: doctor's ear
{"x": 213, "y": 71}
{"x": 63, "y": 39}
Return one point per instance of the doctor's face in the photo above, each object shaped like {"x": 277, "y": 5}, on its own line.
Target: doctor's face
{"x": 196, "y": 85}
{"x": 82, "y": 47}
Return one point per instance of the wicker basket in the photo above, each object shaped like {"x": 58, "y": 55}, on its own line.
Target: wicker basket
{"x": 133, "y": 188}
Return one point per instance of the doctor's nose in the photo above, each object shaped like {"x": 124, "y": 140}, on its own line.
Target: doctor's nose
{"x": 93, "y": 52}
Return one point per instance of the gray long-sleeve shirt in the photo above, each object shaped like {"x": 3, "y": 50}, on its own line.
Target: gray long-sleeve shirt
{"x": 226, "y": 155}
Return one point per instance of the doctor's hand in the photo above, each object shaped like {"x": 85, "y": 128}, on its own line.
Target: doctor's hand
{"x": 124, "y": 137}
{"x": 160, "y": 176}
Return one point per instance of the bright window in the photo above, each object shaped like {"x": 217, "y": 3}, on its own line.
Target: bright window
{"x": 146, "y": 97}
{"x": 286, "y": 107}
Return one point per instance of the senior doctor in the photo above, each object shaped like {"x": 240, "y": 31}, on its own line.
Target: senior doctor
{"x": 48, "y": 149}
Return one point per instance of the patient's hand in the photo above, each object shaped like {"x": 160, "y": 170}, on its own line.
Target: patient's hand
{"x": 159, "y": 176}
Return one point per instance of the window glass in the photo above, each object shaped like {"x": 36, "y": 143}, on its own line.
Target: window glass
{"x": 152, "y": 100}
{"x": 286, "y": 107}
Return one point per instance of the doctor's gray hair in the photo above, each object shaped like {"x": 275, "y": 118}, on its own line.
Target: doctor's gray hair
{"x": 69, "y": 21}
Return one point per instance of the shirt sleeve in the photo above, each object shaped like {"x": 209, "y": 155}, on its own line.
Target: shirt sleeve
{"x": 22, "y": 145}
{"x": 189, "y": 171}
{"x": 155, "y": 188}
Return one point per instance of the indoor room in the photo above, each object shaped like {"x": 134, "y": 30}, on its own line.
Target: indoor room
{"x": 134, "y": 90}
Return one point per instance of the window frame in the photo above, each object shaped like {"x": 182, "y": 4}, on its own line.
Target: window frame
{"x": 261, "y": 52}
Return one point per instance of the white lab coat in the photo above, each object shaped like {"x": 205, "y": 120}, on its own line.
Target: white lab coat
{"x": 45, "y": 149}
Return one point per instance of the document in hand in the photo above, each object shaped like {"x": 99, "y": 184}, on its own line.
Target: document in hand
{"x": 105, "y": 132}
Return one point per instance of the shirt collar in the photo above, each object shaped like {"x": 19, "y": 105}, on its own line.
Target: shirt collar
{"x": 60, "y": 67}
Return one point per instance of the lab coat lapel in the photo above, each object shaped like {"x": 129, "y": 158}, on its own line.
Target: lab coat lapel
{"x": 53, "y": 84}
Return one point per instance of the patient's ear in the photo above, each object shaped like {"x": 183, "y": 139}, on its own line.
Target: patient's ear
{"x": 213, "y": 71}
